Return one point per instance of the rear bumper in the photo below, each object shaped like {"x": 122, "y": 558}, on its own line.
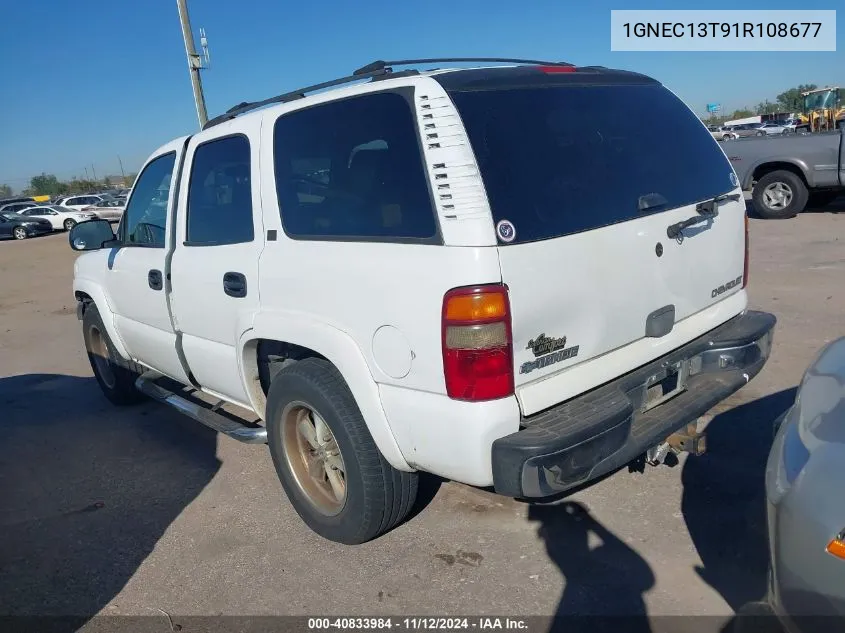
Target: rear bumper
{"x": 593, "y": 434}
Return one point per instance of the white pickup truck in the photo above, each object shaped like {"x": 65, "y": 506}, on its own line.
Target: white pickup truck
{"x": 483, "y": 273}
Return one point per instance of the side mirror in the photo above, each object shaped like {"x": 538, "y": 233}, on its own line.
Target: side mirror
{"x": 90, "y": 235}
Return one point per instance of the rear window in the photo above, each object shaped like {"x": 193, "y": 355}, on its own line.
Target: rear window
{"x": 352, "y": 170}
{"x": 562, "y": 160}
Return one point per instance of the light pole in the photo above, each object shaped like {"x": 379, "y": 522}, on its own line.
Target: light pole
{"x": 195, "y": 61}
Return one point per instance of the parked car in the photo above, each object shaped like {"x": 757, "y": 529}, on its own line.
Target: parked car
{"x": 78, "y": 203}
{"x": 17, "y": 207}
{"x": 110, "y": 209}
{"x": 806, "y": 506}
{"x": 541, "y": 349}
{"x": 20, "y": 227}
{"x": 784, "y": 174}
{"x": 721, "y": 132}
{"x": 774, "y": 127}
{"x": 749, "y": 129}
{"x": 58, "y": 216}
{"x": 5, "y": 201}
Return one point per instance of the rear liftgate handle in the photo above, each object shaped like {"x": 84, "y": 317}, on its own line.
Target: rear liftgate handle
{"x": 234, "y": 284}
{"x": 154, "y": 279}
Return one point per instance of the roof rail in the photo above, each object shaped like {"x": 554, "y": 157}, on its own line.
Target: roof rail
{"x": 300, "y": 93}
{"x": 383, "y": 65}
{"x": 375, "y": 71}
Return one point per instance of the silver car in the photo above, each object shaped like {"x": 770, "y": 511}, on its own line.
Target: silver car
{"x": 806, "y": 500}
{"x": 749, "y": 129}
{"x": 110, "y": 209}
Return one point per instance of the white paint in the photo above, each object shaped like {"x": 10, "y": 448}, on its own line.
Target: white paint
{"x": 598, "y": 287}
{"x": 374, "y": 309}
{"x": 391, "y": 352}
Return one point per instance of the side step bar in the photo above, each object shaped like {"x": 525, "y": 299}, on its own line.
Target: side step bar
{"x": 243, "y": 433}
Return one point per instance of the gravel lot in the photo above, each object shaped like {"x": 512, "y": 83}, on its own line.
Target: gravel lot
{"x": 132, "y": 511}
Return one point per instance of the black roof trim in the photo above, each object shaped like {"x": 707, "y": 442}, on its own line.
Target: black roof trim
{"x": 469, "y": 79}
{"x": 300, "y": 93}
{"x": 474, "y": 79}
{"x": 383, "y": 65}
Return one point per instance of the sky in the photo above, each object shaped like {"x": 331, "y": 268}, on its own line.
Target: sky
{"x": 87, "y": 81}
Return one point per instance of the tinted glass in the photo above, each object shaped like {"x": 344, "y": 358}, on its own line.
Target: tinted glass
{"x": 352, "y": 169}
{"x": 145, "y": 219}
{"x": 220, "y": 195}
{"x": 561, "y": 160}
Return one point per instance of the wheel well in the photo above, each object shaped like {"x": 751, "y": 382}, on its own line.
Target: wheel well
{"x": 767, "y": 168}
{"x": 83, "y": 298}
{"x": 271, "y": 356}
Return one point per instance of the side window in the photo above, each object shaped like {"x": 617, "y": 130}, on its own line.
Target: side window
{"x": 145, "y": 219}
{"x": 219, "y": 194}
{"x": 352, "y": 169}
{"x": 71, "y": 201}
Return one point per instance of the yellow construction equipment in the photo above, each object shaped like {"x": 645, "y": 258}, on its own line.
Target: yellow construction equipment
{"x": 823, "y": 109}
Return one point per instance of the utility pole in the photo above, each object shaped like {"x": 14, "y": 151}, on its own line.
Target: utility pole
{"x": 86, "y": 174}
{"x": 93, "y": 171}
{"x": 195, "y": 62}
{"x": 122, "y": 173}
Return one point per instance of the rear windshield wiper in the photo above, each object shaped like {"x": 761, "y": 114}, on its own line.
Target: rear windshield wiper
{"x": 706, "y": 210}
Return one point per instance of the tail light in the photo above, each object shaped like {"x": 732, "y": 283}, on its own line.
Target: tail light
{"x": 477, "y": 351}
{"x": 837, "y": 546}
{"x": 747, "y": 254}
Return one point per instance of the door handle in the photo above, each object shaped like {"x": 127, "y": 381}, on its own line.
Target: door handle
{"x": 154, "y": 279}
{"x": 234, "y": 284}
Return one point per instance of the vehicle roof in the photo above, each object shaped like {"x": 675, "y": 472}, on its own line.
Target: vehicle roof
{"x": 452, "y": 80}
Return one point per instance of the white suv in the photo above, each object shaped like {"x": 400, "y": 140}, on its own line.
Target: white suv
{"x": 486, "y": 273}
{"x": 78, "y": 203}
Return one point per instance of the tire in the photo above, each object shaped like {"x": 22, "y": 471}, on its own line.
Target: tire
{"x": 19, "y": 233}
{"x": 761, "y": 134}
{"x": 769, "y": 204}
{"x": 726, "y": 137}
{"x": 117, "y": 382}
{"x": 69, "y": 224}
{"x": 375, "y": 498}
{"x": 822, "y": 198}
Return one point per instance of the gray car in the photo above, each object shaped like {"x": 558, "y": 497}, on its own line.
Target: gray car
{"x": 806, "y": 500}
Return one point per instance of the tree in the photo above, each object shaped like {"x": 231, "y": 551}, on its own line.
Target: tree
{"x": 107, "y": 182}
{"x": 129, "y": 180}
{"x": 45, "y": 185}
{"x": 766, "y": 107}
{"x": 5, "y": 191}
{"x": 791, "y": 100}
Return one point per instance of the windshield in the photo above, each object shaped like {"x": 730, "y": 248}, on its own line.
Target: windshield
{"x": 818, "y": 100}
{"x": 561, "y": 160}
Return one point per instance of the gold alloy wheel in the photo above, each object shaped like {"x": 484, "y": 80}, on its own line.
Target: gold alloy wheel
{"x": 313, "y": 457}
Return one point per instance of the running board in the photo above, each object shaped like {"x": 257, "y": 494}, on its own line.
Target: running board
{"x": 237, "y": 431}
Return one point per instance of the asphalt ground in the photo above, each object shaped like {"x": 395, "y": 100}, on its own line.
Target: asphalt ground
{"x": 143, "y": 512}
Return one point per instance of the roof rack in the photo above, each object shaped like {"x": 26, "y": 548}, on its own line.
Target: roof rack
{"x": 299, "y": 93}
{"x": 375, "y": 71}
{"x": 383, "y": 65}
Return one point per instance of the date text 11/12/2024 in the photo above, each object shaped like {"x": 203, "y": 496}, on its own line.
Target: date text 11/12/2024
{"x": 416, "y": 623}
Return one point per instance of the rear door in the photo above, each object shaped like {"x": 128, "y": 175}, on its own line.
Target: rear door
{"x": 583, "y": 199}
{"x": 215, "y": 265}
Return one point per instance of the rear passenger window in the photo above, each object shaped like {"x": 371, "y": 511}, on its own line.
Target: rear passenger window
{"x": 219, "y": 194}
{"x": 352, "y": 169}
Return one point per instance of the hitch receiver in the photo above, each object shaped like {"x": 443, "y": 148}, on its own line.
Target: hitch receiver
{"x": 688, "y": 440}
